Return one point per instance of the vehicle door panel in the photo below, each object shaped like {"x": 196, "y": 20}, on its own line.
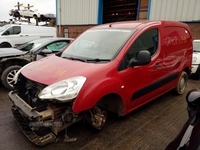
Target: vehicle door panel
{"x": 175, "y": 42}
{"x": 143, "y": 83}
{"x": 13, "y": 34}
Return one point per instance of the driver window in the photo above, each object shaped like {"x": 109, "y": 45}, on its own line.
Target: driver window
{"x": 13, "y": 30}
{"x": 146, "y": 41}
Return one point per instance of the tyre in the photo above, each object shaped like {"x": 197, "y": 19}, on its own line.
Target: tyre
{"x": 5, "y": 45}
{"x": 7, "y": 77}
{"x": 182, "y": 83}
{"x": 196, "y": 76}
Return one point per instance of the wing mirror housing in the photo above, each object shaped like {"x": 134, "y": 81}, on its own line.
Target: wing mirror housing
{"x": 193, "y": 101}
{"x": 46, "y": 51}
{"x": 142, "y": 58}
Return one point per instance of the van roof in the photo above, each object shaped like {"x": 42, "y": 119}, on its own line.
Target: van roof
{"x": 8, "y": 25}
{"x": 139, "y": 24}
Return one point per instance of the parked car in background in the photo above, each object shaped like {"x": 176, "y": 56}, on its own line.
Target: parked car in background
{"x": 15, "y": 34}
{"x": 47, "y": 17}
{"x": 26, "y": 13}
{"x": 12, "y": 59}
{"x": 196, "y": 60}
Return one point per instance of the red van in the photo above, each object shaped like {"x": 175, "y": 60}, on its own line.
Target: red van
{"x": 115, "y": 67}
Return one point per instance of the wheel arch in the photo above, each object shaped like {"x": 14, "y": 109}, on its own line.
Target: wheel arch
{"x": 104, "y": 93}
{"x": 35, "y": 15}
{"x": 112, "y": 102}
{"x": 10, "y": 62}
{"x": 187, "y": 70}
{"x": 5, "y": 43}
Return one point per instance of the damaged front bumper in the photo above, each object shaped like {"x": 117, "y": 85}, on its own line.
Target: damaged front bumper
{"x": 30, "y": 134}
{"x": 30, "y": 120}
{"x": 24, "y": 114}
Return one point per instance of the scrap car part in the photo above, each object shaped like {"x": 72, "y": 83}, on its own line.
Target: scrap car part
{"x": 98, "y": 117}
{"x": 30, "y": 134}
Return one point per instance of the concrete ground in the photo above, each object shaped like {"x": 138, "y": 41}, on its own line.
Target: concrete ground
{"x": 151, "y": 127}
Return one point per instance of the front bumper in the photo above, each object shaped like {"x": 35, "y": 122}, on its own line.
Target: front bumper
{"x": 195, "y": 69}
{"x": 24, "y": 114}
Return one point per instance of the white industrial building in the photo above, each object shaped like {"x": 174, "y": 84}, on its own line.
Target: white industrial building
{"x": 75, "y": 16}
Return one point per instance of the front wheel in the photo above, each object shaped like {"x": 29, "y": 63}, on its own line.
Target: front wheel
{"x": 96, "y": 117}
{"x": 5, "y": 45}
{"x": 7, "y": 77}
{"x": 182, "y": 83}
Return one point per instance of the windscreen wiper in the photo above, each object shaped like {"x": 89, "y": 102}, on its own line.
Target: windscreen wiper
{"x": 87, "y": 60}
{"x": 72, "y": 58}
{"x": 98, "y": 60}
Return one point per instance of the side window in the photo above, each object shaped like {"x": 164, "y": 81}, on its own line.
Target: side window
{"x": 57, "y": 46}
{"x": 13, "y": 30}
{"x": 146, "y": 41}
{"x": 17, "y": 30}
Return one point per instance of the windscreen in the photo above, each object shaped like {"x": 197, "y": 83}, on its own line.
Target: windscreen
{"x": 98, "y": 44}
{"x": 4, "y": 27}
{"x": 32, "y": 45}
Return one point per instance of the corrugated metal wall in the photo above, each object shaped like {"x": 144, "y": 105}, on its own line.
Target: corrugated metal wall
{"x": 77, "y": 12}
{"x": 178, "y": 10}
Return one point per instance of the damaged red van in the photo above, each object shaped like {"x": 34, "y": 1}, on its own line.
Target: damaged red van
{"x": 115, "y": 67}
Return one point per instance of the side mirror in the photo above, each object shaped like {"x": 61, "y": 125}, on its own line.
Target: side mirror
{"x": 193, "y": 97}
{"x": 193, "y": 101}
{"x": 143, "y": 58}
{"x": 46, "y": 51}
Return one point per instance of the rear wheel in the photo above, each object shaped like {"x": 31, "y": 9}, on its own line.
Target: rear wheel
{"x": 7, "y": 77}
{"x": 197, "y": 74}
{"x": 182, "y": 83}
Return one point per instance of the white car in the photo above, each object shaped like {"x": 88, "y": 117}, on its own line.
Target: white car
{"x": 196, "y": 59}
{"x": 26, "y": 13}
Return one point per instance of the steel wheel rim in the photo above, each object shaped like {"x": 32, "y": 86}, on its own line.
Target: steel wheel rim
{"x": 10, "y": 77}
{"x": 182, "y": 84}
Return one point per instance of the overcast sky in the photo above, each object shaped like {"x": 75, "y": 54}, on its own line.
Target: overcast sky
{"x": 43, "y": 6}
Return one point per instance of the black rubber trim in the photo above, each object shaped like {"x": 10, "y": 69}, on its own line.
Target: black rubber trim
{"x": 154, "y": 86}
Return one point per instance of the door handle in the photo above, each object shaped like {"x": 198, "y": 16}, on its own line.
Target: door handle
{"x": 20, "y": 35}
{"x": 26, "y": 35}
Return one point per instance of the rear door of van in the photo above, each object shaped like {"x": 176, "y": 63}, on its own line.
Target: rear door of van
{"x": 175, "y": 45}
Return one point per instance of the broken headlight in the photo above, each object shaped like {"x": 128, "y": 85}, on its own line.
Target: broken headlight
{"x": 64, "y": 90}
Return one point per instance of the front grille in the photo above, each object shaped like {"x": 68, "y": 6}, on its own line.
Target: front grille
{"x": 28, "y": 90}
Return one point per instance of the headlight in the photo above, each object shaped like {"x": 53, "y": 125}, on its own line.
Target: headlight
{"x": 64, "y": 90}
